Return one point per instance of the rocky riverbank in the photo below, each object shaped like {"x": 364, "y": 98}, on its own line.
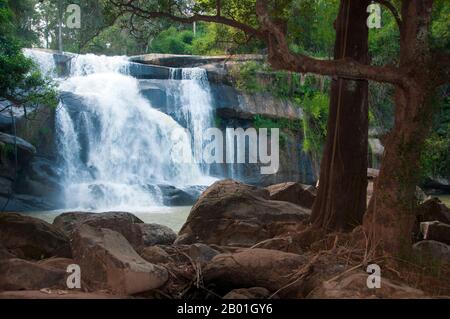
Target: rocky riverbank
{"x": 239, "y": 241}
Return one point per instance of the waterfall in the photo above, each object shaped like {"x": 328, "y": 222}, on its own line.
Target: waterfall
{"x": 114, "y": 147}
{"x": 195, "y": 106}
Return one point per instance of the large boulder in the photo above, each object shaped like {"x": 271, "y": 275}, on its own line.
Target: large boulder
{"x": 236, "y": 214}
{"x": 32, "y": 238}
{"x": 108, "y": 262}
{"x": 67, "y": 222}
{"x": 173, "y": 196}
{"x": 303, "y": 195}
{"x": 25, "y": 151}
{"x": 19, "y": 274}
{"x": 436, "y": 231}
{"x": 270, "y": 269}
{"x": 131, "y": 227}
{"x": 354, "y": 285}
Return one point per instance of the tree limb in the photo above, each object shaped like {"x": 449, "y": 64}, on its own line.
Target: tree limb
{"x": 393, "y": 9}
{"x": 346, "y": 67}
{"x": 280, "y": 56}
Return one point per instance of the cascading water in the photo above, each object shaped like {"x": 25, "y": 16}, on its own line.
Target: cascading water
{"x": 113, "y": 145}
{"x": 194, "y": 103}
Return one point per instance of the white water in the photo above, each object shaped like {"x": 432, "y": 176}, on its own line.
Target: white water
{"x": 113, "y": 145}
{"x": 195, "y": 106}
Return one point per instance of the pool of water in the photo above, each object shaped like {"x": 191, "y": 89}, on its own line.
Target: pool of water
{"x": 173, "y": 217}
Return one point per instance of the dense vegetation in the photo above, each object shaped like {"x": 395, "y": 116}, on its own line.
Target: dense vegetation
{"x": 20, "y": 80}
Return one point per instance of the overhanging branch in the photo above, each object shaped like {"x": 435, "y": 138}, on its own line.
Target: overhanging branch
{"x": 393, "y": 9}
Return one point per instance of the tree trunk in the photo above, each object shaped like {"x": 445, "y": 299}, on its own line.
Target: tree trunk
{"x": 341, "y": 200}
{"x": 389, "y": 220}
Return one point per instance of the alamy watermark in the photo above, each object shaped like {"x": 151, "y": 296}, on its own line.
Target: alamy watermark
{"x": 374, "y": 279}
{"x": 237, "y": 146}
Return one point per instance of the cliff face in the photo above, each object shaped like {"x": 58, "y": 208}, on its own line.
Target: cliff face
{"x": 232, "y": 108}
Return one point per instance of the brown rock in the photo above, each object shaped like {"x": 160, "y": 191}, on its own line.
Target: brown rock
{"x": 154, "y": 234}
{"x": 5, "y": 253}
{"x": 32, "y": 238}
{"x": 109, "y": 262}
{"x": 436, "y": 231}
{"x": 296, "y": 193}
{"x": 354, "y": 285}
{"x": 235, "y": 214}
{"x": 201, "y": 252}
{"x": 19, "y": 274}
{"x": 57, "y": 263}
{"x": 271, "y": 269}
{"x": 66, "y": 222}
{"x": 124, "y": 223}
{"x": 155, "y": 255}
{"x": 249, "y": 293}
{"x": 131, "y": 227}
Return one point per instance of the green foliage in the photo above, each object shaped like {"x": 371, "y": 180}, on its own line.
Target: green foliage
{"x": 246, "y": 77}
{"x": 315, "y": 109}
{"x": 173, "y": 41}
{"x": 436, "y": 156}
{"x": 20, "y": 79}
{"x": 435, "y": 160}
{"x": 310, "y": 26}
{"x": 314, "y": 102}
{"x": 285, "y": 125}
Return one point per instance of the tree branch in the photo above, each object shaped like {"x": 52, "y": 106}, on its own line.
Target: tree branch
{"x": 393, "y": 9}
{"x": 146, "y": 14}
{"x": 281, "y": 57}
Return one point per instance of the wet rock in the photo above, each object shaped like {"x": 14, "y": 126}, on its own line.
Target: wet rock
{"x": 249, "y": 293}
{"x": 173, "y": 196}
{"x": 25, "y": 151}
{"x": 32, "y": 238}
{"x": 19, "y": 274}
{"x": 109, "y": 262}
{"x": 236, "y": 214}
{"x": 303, "y": 195}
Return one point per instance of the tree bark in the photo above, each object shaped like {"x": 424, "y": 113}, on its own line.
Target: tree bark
{"x": 391, "y": 214}
{"x": 341, "y": 199}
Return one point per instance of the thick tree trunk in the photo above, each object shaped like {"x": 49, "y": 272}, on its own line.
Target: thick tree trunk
{"x": 341, "y": 200}
{"x": 389, "y": 220}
